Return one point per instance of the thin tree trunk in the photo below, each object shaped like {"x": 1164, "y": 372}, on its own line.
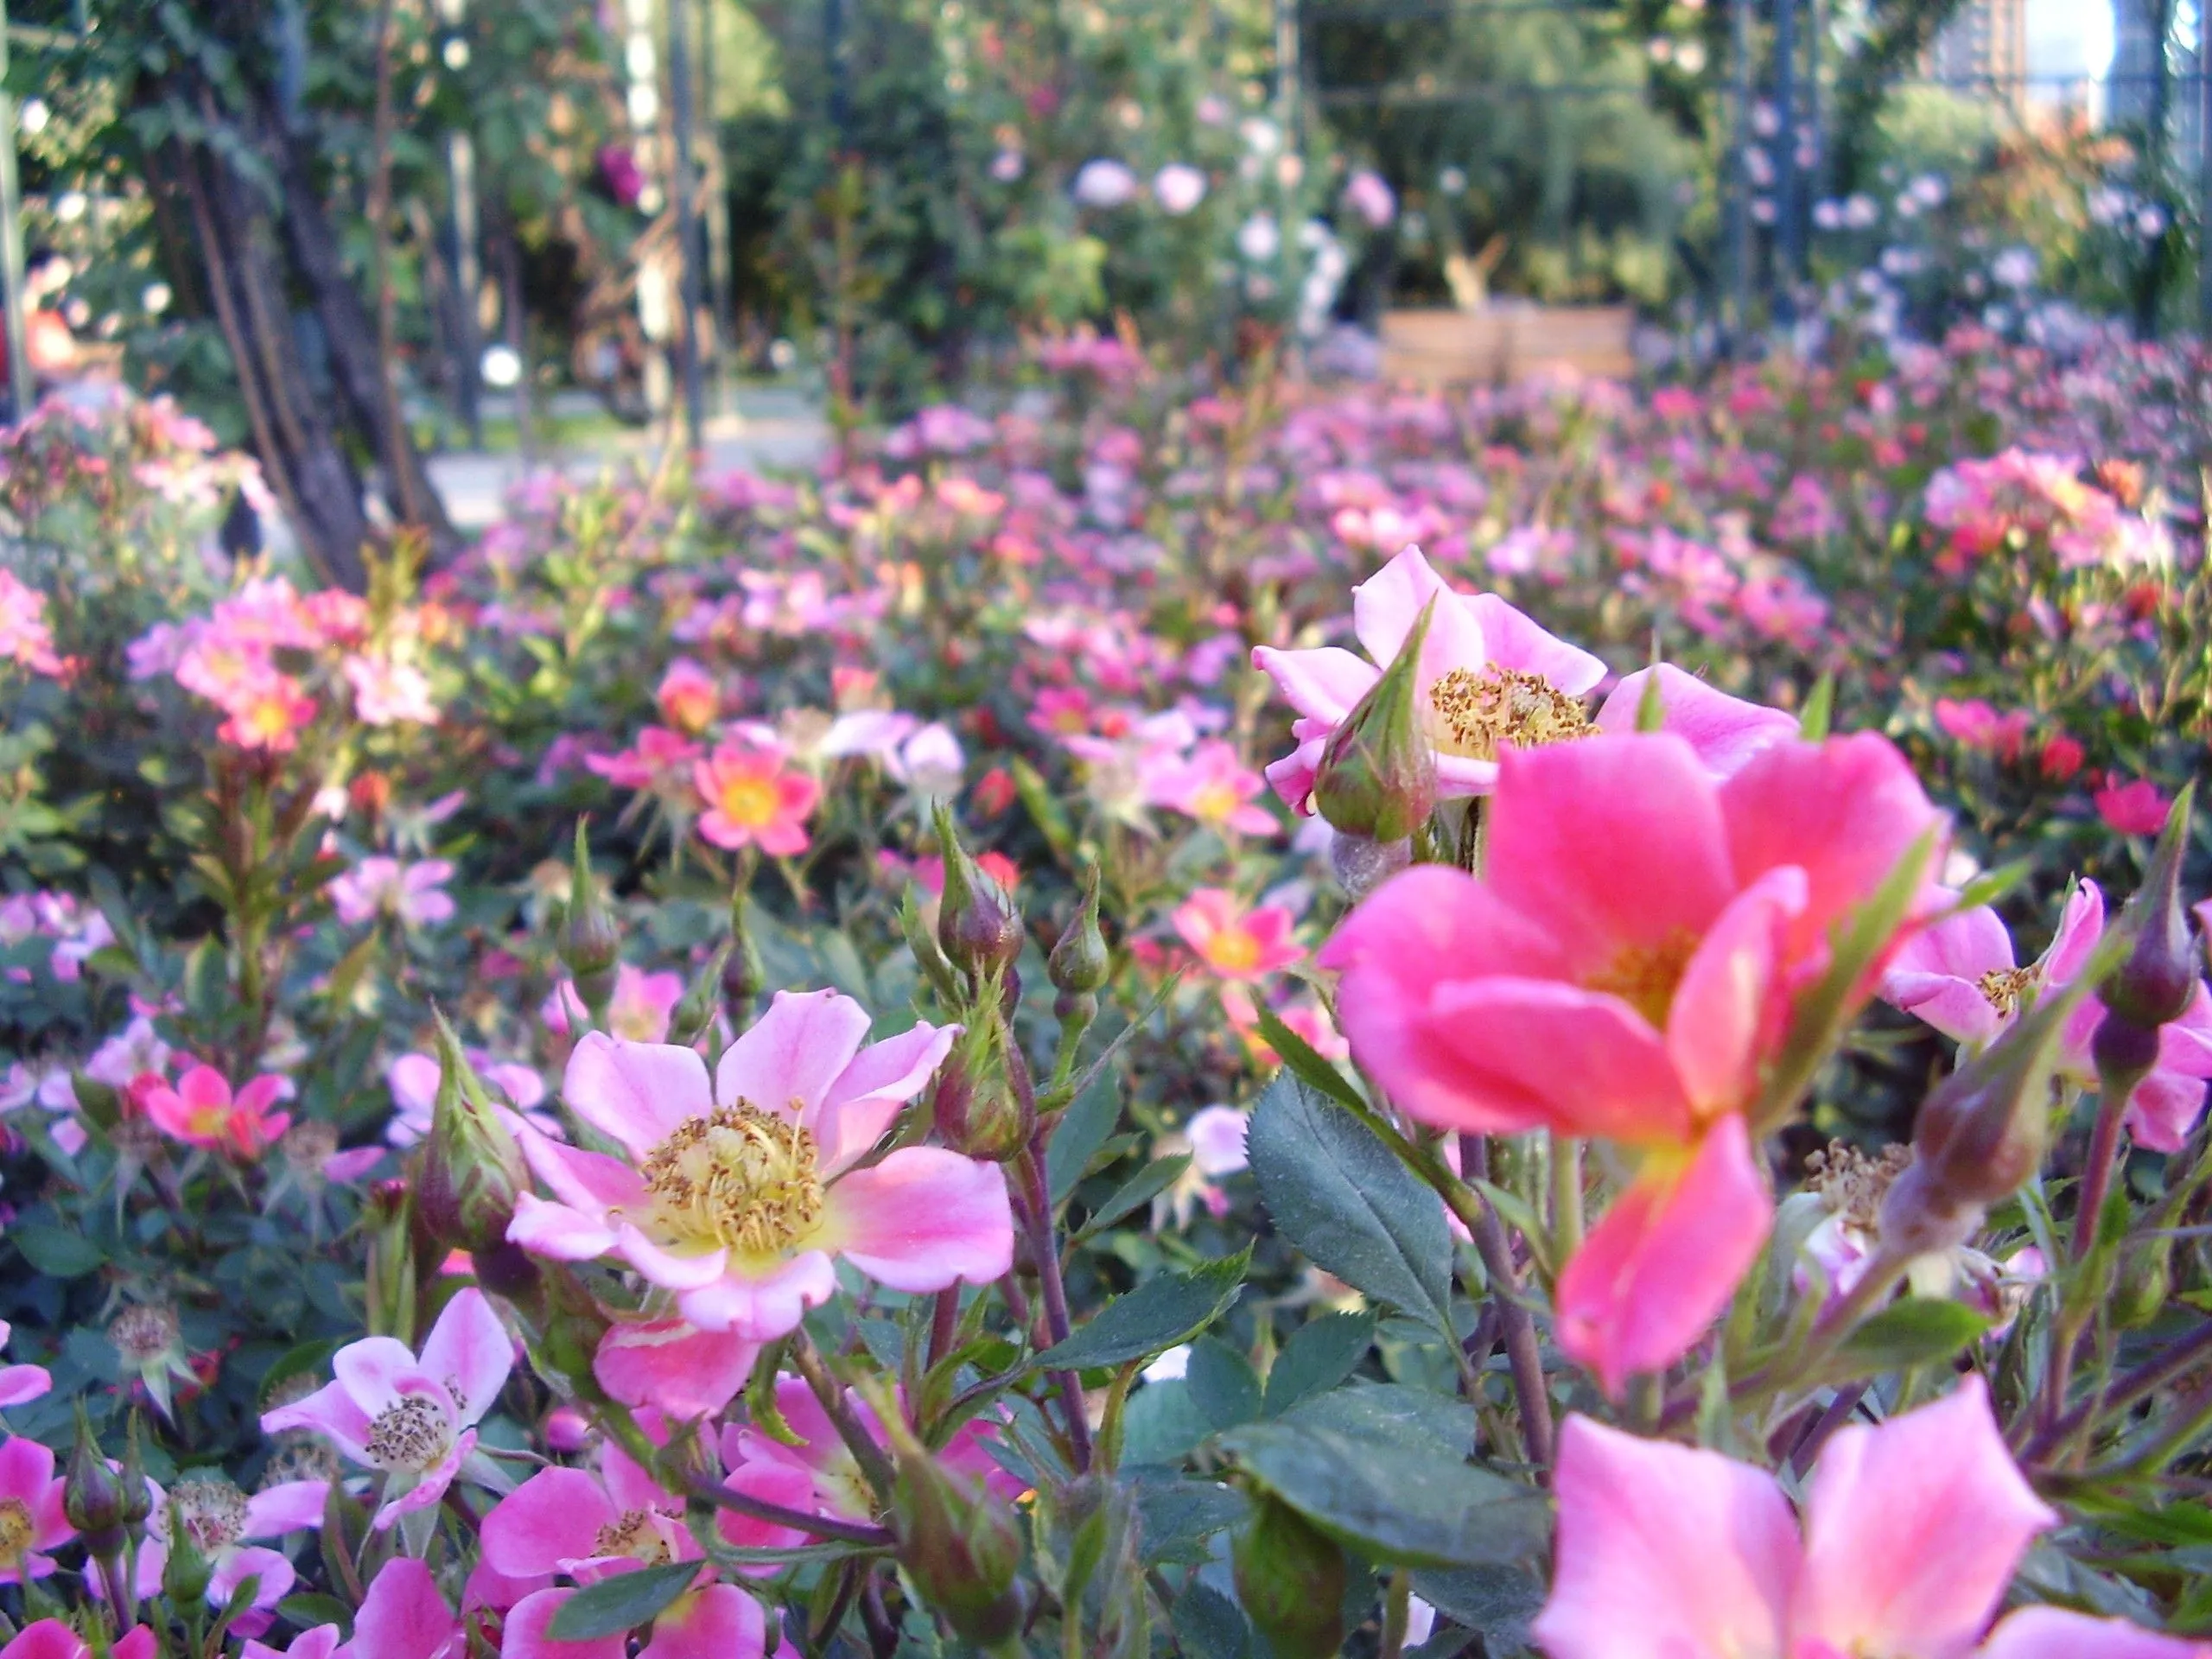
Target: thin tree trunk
{"x": 404, "y": 482}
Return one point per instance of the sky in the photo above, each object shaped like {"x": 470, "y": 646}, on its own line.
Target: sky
{"x": 2069, "y": 37}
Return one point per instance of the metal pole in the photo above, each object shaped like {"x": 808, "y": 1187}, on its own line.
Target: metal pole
{"x": 683, "y": 180}
{"x": 1739, "y": 206}
{"x": 11, "y": 242}
{"x": 1792, "y": 249}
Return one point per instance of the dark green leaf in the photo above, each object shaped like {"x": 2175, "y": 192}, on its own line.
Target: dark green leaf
{"x": 1176, "y": 1516}
{"x": 56, "y": 1251}
{"x": 1161, "y": 1424}
{"x": 1140, "y": 1189}
{"x": 1304, "y": 1060}
{"x": 310, "y": 1610}
{"x": 1207, "y": 1624}
{"x": 1393, "y": 1502}
{"x": 1163, "y": 1311}
{"x": 1222, "y": 1384}
{"x": 1919, "y": 1331}
{"x": 622, "y": 1603}
{"x": 1499, "y": 1603}
{"x": 1082, "y": 1131}
{"x": 1344, "y": 1199}
{"x": 1320, "y": 1354}
{"x": 1391, "y": 1411}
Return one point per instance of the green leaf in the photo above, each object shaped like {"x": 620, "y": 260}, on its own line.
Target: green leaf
{"x": 1391, "y": 1501}
{"x": 1499, "y": 1602}
{"x": 310, "y": 1610}
{"x": 1207, "y": 1624}
{"x": 1082, "y": 1131}
{"x": 1140, "y": 1189}
{"x": 1344, "y": 1199}
{"x": 1163, "y": 1311}
{"x": 622, "y": 1603}
{"x": 1222, "y": 1384}
{"x": 1304, "y": 1061}
{"x": 1320, "y": 1354}
{"x": 56, "y": 1251}
{"x": 1441, "y": 1424}
{"x": 1176, "y": 1516}
{"x": 1919, "y": 1331}
{"x": 1161, "y": 1425}
{"x": 1820, "y": 711}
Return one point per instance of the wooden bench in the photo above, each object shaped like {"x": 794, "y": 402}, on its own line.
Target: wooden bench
{"x": 1506, "y": 342}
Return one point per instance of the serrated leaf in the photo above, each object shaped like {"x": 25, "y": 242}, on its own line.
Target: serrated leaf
{"x": 1320, "y": 1354}
{"x": 1140, "y": 1189}
{"x": 1303, "y": 1060}
{"x": 1082, "y": 1129}
{"x": 1163, "y": 1311}
{"x": 1351, "y": 1208}
{"x": 57, "y": 1250}
{"x": 622, "y": 1603}
{"x": 1222, "y": 1384}
{"x": 1919, "y": 1331}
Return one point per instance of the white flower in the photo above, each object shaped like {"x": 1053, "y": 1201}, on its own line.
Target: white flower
{"x": 1178, "y": 187}
{"x": 1104, "y": 183}
{"x": 1259, "y": 239}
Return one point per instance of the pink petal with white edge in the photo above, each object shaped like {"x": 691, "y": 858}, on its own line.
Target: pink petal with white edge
{"x": 1324, "y": 684}
{"x": 867, "y": 1094}
{"x": 404, "y": 1616}
{"x": 1615, "y": 844}
{"x": 1726, "y": 1015}
{"x": 717, "y": 1621}
{"x": 1936, "y": 974}
{"x": 1499, "y": 1055}
{"x": 235, "y": 1567}
{"x": 1512, "y": 639}
{"x": 376, "y": 1370}
{"x": 665, "y": 1267}
{"x": 523, "y": 1635}
{"x": 429, "y": 1487}
{"x": 329, "y": 1411}
{"x": 1723, "y": 732}
{"x": 556, "y": 1231}
{"x": 289, "y": 1506}
{"x": 793, "y": 1052}
{"x": 2054, "y": 1633}
{"x": 471, "y": 1351}
{"x": 1655, "y": 1273}
{"x": 19, "y": 1384}
{"x": 589, "y": 1182}
{"x": 923, "y": 1218}
{"x": 1664, "y": 1551}
{"x": 765, "y": 1307}
{"x": 674, "y": 1366}
{"x": 1914, "y": 1528}
{"x": 550, "y": 1519}
{"x": 636, "y": 1092}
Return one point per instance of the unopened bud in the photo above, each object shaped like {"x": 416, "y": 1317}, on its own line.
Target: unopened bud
{"x": 960, "y": 1546}
{"x": 694, "y": 1013}
{"x": 1079, "y": 965}
{"x": 92, "y": 1497}
{"x": 743, "y": 975}
{"x": 591, "y": 944}
{"x": 2147, "y": 1279}
{"x": 472, "y": 1171}
{"x": 1290, "y": 1578}
{"x": 2154, "y": 984}
{"x": 1361, "y": 866}
{"x": 978, "y": 1109}
{"x": 137, "y": 1496}
{"x": 977, "y": 922}
{"x": 1981, "y": 1134}
{"x": 1377, "y": 776}
{"x": 186, "y": 1574}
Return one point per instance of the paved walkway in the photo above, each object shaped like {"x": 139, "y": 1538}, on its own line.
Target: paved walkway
{"x": 774, "y": 428}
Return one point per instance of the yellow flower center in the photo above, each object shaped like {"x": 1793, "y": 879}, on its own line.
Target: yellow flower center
{"x": 748, "y": 799}
{"x": 1213, "y": 803}
{"x": 1644, "y": 975}
{"x": 1233, "y": 950}
{"x": 411, "y": 1435}
{"x": 269, "y": 716}
{"x": 15, "y": 1531}
{"x": 1473, "y": 715}
{"x": 738, "y": 1178}
{"x": 2005, "y": 986}
{"x": 636, "y": 1535}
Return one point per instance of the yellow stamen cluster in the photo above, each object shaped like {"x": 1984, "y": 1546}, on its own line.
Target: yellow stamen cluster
{"x": 738, "y": 1178}
{"x": 2005, "y": 988}
{"x": 15, "y": 1531}
{"x": 1852, "y": 1184}
{"x": 636, "y": 1535}
{"x": 409, "y": 1434}
{"x": 1644, "y": 975}
{"x": 1476, "y": 715}
{"x": 215, "y": 1511}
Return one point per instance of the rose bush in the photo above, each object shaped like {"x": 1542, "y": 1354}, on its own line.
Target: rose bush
{"x": 1055, "y": 1039}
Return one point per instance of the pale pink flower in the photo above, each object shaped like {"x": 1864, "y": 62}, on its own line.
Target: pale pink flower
{"x": 2134, "y": 808}
{"x": 1908, "y": 1541}
{"x": 1213, "y": 786}
{"x": 739, "y": 1195}
{"x": 222, "y": 1521}
{"x": 413, "y": 1080}
{"x": 133, "y": 1051}
{"x": 639, "y": 1008}
{"x": 1178, "y": 187}
{"x": 1626, "y": 970}
{"x": 21, "y": 1385}
{"x": 1960, "y": 977}
{"x": 386, "y": 693}
{"x": 1724, "y": 732}
{"x": 413, "y": 1418}
{"x": 1489, "y": 679}
{"x": 687, "y": 696}
{"x": 1368, "y": 194}
{"x": 660, "y": 760}
{"x": 753, "y": 797}
{"x": 1236, "y": 943}
{"x": 267, "y": 712}
{"x": 415, "y": 893}
{"x": 25, "y": 639}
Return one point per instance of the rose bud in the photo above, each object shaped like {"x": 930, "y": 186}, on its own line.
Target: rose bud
{"x": 978, "y": 1108}
{"x": 961, "y": 1544}
{"x": 1290, "y": 1578}
{"x": 472, "y": 1170}
{"x": 2155, "y": 983}
{"x": 1377, "y": 776}
{"x": 978, "y": 924}
{"x": 591, "y": 944}
{"x": 93, "y": 1494}
{"x": 702, "y": 1001}
{"x": 1079, "y": 965}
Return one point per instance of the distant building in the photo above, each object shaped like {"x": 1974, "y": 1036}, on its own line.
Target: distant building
{"x": 1983, "y": 51}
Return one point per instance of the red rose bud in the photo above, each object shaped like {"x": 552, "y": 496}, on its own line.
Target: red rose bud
{"x": 591, "y": 944}
{"x": 959, "y": 1542}
{"x": 472, "y": 1171}
{"x": 2154, "y": 983}
{"x": 978, "y": 1109}
{"x": 1079, "y": 965}
{"x": 976, "y": 924}
{"x": 743, "y": 975}
{"x": 1981, "y": 1134}
{"x": 1290, "y": 1578}
{"x": 1377, "y": 776}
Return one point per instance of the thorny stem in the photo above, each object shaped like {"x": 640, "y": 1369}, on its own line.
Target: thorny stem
{"x": 1515, "y": 1325}
{"x": 831, "y": 1396}
{"x": 822, "y": 1526}
{"x": 1037, "y": 1209}
{"x": 2191, "y": 1420}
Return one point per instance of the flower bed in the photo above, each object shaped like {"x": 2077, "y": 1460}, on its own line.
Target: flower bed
{"x": 1154, "y": 1007}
